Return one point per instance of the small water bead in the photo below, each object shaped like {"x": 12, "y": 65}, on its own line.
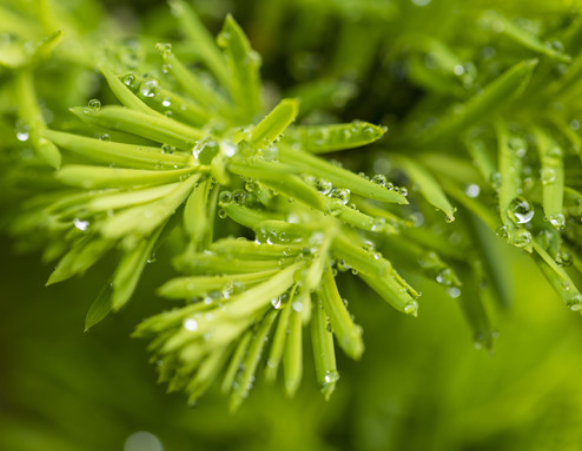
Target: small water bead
{"x": 276, "y": 302}
{"x": 324, "y": 186}
{"x": 165, "y": 47}
{"x": 22, "y": 131}
{"x": 205, "y": 151}
{"x": 404, "y": 192}
{"x": 343, "y": 266}
{"x": 522, "y": 238}
{"x": 502, "y": 232}
{"x": 520, "y": 211}
{"x": 331, "y": 377}
{"x": 555, "y": 45}
{"x": 454, "y": 292}
{"x": 472, "y": 191}
{"x": 167, "y": 149}
{"x": 555, "y": 152}
{"x": 574, "y": 303}
{"x": 379, "y": 179}
{"x": 149, "y": 87}
{"x": 496, "y": 179}
{"x": 417, "y": 218}
{"x": 564, "y": 258}
{"x": 378, "y": 225}
{"x": 575, "y": 124}
{"x": 548, "y": 175}
{"x": 558, "y": 220}
{"x": 341, "y": 194}
{"x": 518, "y": 145}
{"x": 297, "y": 306}
{"x": 239, "y": 196}
{"x": 458, "y": 70}
{"x": 167, "y": 102}
{"x": 411, "y": 308}
{"x": 225, "y": 197}
{"x": 446, "y": 277}
{"x": 105, "y": 137}
{"x": 335, "y": 207}
{"x": 222, "y": 213}
{"x": 94, "y": 104}
{"x": 130, "y": 81}
{"x": 80, "y": 224}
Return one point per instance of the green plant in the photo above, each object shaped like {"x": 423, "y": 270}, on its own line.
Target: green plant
{"x": 190, "y": 144}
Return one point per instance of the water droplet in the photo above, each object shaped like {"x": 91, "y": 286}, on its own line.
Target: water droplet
{"x": 496, "y": 179}
{"x": 459, "y": 70}
{"x": 445, "y": 276}
{"x": 548, "y": 175}
{"x": 239, "y": 196}
{"x": 130, "y": 81}
{"x": 143, "y": 441}
{"x": 341, "y": 194}
{"x": 80, "y": 224}
{"x": 378, "y": 225}
{"x": 105, "y": 137}
{"x": 225, "y": 197}
{"x": 520, "y": 211}
{"x": 411, "y": 308}
{"x": 379, "y": 179}
{"x": 149, "y": 87}
{"x": 404, "y": 192}
{"x": 222, "y": 213}
{"x": 522, "y": 238}
{"x": 276, "y": 303}
{"x": 191, "y": 324}
{"x": 22, "y": 131}
{"x": 335, "y": 207}
{"x": 297, "y": 306}
{"x": 94, "y": 104}
{"x": 421, "y": 2}
{"x": 331, "y": 377}
{"x": 502, "y": 232}
{"x": 558, "y": 220}
{"x": 205, "y": 151}
{"x": 324, "y": 186}
{"x": 472, "y": 191}
{"x": 518, "y": 145}
{"x": 454, "y": 292}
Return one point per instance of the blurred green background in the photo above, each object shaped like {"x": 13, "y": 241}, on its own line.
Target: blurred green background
{"x": 421, "y": 384}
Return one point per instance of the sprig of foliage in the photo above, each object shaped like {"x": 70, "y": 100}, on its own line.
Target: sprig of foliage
{"x": 189, "y": 141}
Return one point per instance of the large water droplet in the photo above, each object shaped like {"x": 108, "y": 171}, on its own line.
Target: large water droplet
{"x": 520, "y": 211}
